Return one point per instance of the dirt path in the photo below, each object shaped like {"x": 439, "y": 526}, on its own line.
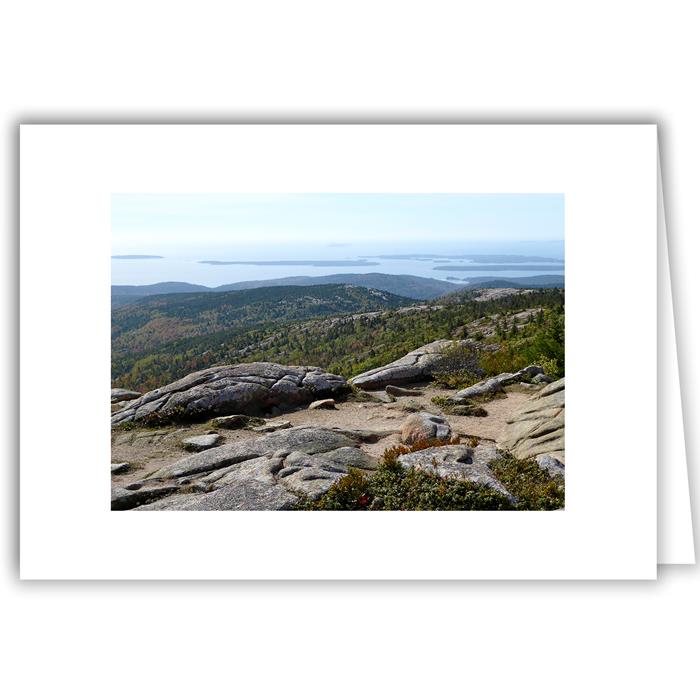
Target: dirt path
{"x": 148, "y": 450}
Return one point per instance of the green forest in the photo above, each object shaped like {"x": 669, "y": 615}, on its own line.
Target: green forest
{"x": 343, "y": 329}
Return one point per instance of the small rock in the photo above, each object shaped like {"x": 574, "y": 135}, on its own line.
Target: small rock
{"x": 238, "y": 420}
{"x": 323, "y": 403}
{"x": 271, "y": 426}
{"x": 120, "y": 468}
{"x": 542, "y": 379}
{"x": 425, "y": 426}
{"x": 400, "y": 391}
{"x": 202, "y": 442}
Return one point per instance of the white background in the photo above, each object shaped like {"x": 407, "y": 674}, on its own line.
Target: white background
{"x": 507, "y": 61}
{"x": 67, "y": 176}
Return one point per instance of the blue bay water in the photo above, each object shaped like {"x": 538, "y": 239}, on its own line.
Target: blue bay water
{"x": 185, "y": 266}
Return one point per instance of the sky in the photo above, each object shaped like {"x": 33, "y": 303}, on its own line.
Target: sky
{"x": 159, "y": 224}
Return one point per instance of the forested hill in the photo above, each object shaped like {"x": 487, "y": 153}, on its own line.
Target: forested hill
{"x": 340, "y": 328}
{"x": 146, "y": 325}
{"x": 402, "y": 285}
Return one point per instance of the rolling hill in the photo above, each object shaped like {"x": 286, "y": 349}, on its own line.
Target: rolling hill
{"x": 341, "y": 328}
{"x": 409, "y": 286}
{"x": 147, "y": 325}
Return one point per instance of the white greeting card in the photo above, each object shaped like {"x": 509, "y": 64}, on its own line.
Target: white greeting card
{"x": 408, "y": 278}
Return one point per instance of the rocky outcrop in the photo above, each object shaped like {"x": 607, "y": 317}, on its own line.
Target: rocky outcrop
{"x": 538, "y": 429}
{"x": 417, "y": 366}
{"x": 495, "y": 385}
{"x": 424, "y": 426}
{"x": 119, "y": 395}
{"x": 461, "y": 462}
{"x": 271, "y": 472}
{"x": 252, "y": 388}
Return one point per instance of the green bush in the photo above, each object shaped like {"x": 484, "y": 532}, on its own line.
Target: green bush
{"x": 458, "y": 368}
{"x": 393, "y": 487}
{"x": 466, "y": 408}
{"x": 534, "y": 488}
{"x": 540, "y": 342}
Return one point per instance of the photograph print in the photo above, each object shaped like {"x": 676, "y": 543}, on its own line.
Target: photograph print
{"x": 341, "y": 351}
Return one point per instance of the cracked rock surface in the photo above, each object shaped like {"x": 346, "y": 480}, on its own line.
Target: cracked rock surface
{"x": 461, "y": 462}
{"x": 266, "y": 473}
{"x": 416, "y": 366}
{"x": 252, "y": 387}
{"x": 538, "y": 428}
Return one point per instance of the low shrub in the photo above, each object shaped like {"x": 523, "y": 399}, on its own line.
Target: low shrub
{"x": 458, "y": 368}
{"x": 467, "y": 408}
{"x": 393, "y": 487}
{"x": 534, "y": 488}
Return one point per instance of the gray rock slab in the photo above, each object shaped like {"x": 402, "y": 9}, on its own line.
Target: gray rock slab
{"x": 124, "y": 395}
{"x": 310, "y": 440}
{"x": 365, "y": 435}
{"x": 253, "y": 387}
{"x": 127, "y": 499}
{"x": 478, "y": 390}
{"x": 416, "y": 366}
{"x": 459, "y": 462}
{"x": 538, "y": 428}
{"x": 243, "y": 495}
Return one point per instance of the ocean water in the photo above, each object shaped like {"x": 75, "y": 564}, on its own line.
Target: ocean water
{"x": 186, "y": 266}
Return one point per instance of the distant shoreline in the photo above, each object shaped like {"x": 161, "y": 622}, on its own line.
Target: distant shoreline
{"x": 138, "y": 257}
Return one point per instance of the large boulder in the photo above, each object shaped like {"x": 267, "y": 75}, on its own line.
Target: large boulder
{"x": 424, "y": 426}
{"x": 538, "y": 428}
{"x": 250, "y": 388}
{"x": 459, "y": 462}
{"x": 417, "y": 366}
{"x": 271, "y": 472}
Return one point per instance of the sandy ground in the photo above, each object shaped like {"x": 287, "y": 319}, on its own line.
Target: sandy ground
{"x": 148, "y": 450}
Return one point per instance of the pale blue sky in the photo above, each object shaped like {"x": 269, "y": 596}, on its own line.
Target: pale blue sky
{"x": 164, "y": 222}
